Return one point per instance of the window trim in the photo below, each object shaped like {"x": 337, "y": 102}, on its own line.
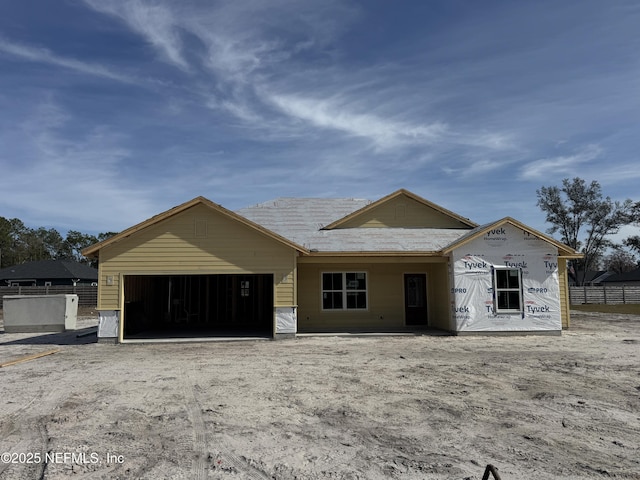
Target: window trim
{"x": 344, "y": 291}
{"x": 245, "y": 288}
{"x": 496, "y": 290}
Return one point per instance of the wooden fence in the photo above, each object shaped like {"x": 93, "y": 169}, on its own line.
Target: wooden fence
{"x": 611, "y": 294}
{"x": 87, "y": 295}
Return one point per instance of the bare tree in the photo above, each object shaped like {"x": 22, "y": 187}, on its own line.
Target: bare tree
{"x": 583, "y": 217}
{"x": 620, "y": 261}
{"x": 633, "y": 242}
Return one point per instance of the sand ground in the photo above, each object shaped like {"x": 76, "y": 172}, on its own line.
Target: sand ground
{"x": 418, "y": 407}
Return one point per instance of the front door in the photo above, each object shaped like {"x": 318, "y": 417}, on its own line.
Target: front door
{"x": 415, "y": 298}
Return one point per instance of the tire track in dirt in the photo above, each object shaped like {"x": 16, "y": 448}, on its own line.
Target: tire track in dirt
{"x": 26, "y": 434}
{"x": 200, "y": 465}
{"x": 31, "y": 439}
{"x": 24, "y": 430}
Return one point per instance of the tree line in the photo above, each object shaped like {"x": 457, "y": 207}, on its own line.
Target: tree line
{"x": 19, "y": 243}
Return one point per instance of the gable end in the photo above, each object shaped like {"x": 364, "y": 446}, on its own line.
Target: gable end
{"x": 402, "y": 209}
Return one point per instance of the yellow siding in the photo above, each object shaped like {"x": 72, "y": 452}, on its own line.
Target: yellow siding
{"x": 108, "y": 288}
{"x": 385, "y": 296}
{"x": 402, "y": 212}
{"x": 565, "y": 306}
{"x": 197, "y": 241}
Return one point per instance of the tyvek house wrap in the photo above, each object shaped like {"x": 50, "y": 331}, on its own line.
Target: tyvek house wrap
{"x": 473, "y": 303}
{"x": 286, "y": 320}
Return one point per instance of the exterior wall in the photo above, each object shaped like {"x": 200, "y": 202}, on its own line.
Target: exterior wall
{"x": 565, "y": 306}
{"x": 402, "y": 212}
{"x": 385, "y": 285}
{"x": 472, "y": 283}
{"x": 196, "y": 241}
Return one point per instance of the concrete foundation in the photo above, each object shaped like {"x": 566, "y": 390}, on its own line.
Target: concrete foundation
{"x": 284, "y": 336}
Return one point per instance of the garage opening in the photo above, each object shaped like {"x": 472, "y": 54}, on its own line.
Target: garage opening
{"x": 198, "y": 306}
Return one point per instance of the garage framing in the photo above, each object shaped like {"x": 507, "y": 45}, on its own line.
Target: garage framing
{"x": 197, "y": 305}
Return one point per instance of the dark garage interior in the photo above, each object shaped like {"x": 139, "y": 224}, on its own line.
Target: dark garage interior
{"x": 184, "y": 306}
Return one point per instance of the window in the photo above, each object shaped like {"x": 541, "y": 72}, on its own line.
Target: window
{"x": 245, "y": 288}
{"x": 344, "y": 291}
{"x": 507, "y": 287}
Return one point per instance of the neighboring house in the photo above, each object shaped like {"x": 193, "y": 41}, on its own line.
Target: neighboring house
{"x": 593, "y": 277}
{"x": 295, "y": 265}
{"x": 48, "y": 273}
{"x": 625, "y": 278}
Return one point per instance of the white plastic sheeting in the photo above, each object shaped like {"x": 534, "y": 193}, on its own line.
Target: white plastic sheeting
{"x": 286, "y": 320}
{"x": 472, "y": 293}
{"x": 108, "y": 321}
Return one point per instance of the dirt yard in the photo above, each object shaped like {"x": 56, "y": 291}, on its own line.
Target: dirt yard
{"x": 418, "y": 407}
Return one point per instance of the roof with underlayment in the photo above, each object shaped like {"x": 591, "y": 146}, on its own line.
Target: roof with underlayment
{"x": 302, "y": 220}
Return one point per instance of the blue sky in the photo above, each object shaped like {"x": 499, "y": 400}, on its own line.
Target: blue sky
{"x": 114, "y": 111}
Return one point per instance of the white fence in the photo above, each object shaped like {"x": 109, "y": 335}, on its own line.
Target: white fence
{"x": 611, "y": 294}
{"x": 87, "y": 295}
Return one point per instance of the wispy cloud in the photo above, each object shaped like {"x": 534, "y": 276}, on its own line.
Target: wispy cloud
{"x": 560, "y": 165}
{"x": 250, "y": 41}
{"x": 255, "y": 54}
{"x": 383, "y": 133}
{"x": 79, "y": 172}
{"x": 618, "y": 174}
{"x": 492, "y": 141}
{"x": 39, "y": 54}
{"x": 475, "y": 167}
{"x": 156, "y": 22}
{"x": 238, "y": 38}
